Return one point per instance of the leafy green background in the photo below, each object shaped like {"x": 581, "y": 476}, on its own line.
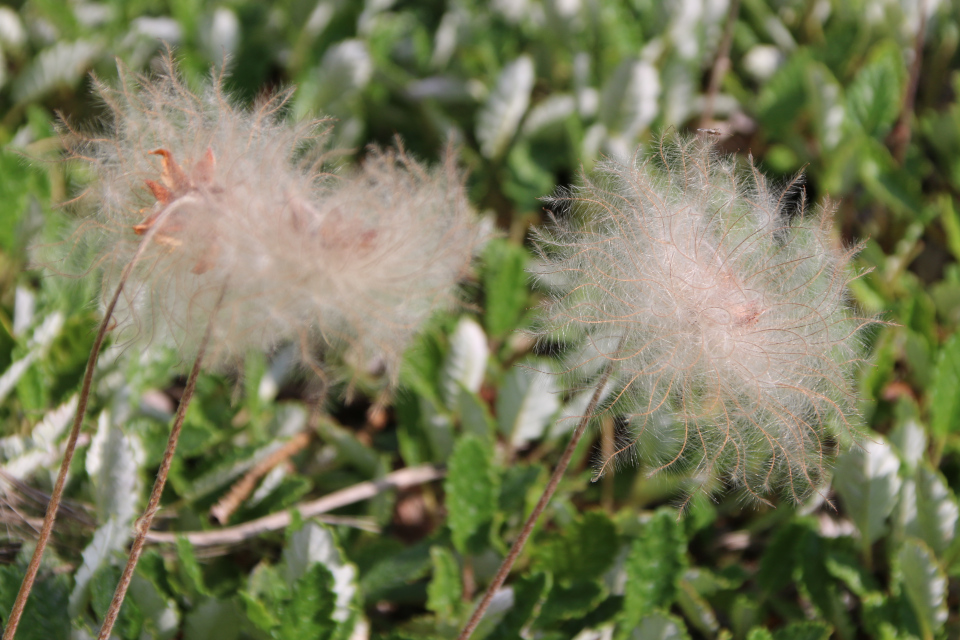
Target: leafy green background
{"x": 531, "y": 92}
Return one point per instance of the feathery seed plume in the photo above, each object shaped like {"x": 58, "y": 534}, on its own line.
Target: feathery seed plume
{"x": 236, "y": 203}
{"x": 724, "y": 313}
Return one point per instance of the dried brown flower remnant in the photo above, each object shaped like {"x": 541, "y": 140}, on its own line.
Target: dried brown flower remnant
{"x": 725, "y": 316}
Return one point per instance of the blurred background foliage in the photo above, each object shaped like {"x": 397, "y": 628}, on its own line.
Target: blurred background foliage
{"x": 859, "y": 95}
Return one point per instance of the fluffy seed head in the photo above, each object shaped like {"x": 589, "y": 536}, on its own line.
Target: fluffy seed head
{"x": 723, "y": 312}
{"x": 235, "y": 219}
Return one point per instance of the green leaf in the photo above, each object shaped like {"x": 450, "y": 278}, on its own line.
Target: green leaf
{"x": 629, "y": 98}
{"x": 314, "y": 544}
{"x": 45, "y": 616}
{"x": 62, "y": 65}
{"x": 867, "y": 481}
{"x": 656, "y": 563}
{"x": 191, "y": 575}
{"x": 395, "y": 571}
{"x": 925, "y": 585}
{"x": 804, "y": 631}
{"x": 445, "y": 589}
{"x": 944, "y": 400}
{"x": 582, "y": 551}
{"x": 783, "y": 97}
{"x": 500, "y": 116}
{"x": 309, "y": 612}
{"x": 113, "y": 463}
{"x": 102, "y": 588}
{"x": 697, "y": 610}
{"x": 929, "y": 509}
{"x": 660, "y": 626}
{"x": 527, "y": 592}
{"x": 505, "y": 289}
{"x": 213, "y": 620}
{"x": 528, "y": 401}
{"x": 472, "y": 487}
{"x": 475, "y": 418}
{"x": 873, "y": 98}
{"x": 466, "y": 361}
{"x": 570, "y": 602}
{"x": 759, "y": 633}
{"x": 106, "y": 542}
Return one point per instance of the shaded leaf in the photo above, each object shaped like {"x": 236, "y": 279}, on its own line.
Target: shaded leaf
{"x": 867, "y": 481}
{"x": 500, "y": 116}
{"x": 925, "y": 585}
{"x": 472, "y": 487}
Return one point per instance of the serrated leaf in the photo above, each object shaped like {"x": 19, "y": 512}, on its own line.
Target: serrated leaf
{"x": 873, "y": 98}
{"x": 315, "y": 544}
{"x": 472, "y": 487}
{"x": 475, "y": 418}
{"x": 500, "y": 116}
{"x": 783, "y": 97}
{"x": 628, "y": 100}
{"x": 213, "y": 620}
{"x": 62, "y": 65}
{"x": 466, "y": 361}
{"x": 161, "y": 618}
{"x": 929, "y": 509}
{"x": 660, "y": 626}
{"x": 582, "y": 551}
{"x": 113, "y": 464}
{"x": 107, "y": 540}
{"x": 925, "y": 585}
{"x": 102, "y": 587}
{"x": 528, "y": 401}
{"x": 43, "y": 336}
{"x": 504, "y": 285}
{"x": 445, "y": 589}
{"x": 546, "y": 114}
{"x": 189, "y": 571}
{"x": 656, "y": 563}
{"x": 527, "y": 593}
{"x": 867, "y": 480}
{"x": 910, "y": 439}
{"x": 697, "y": 610}
{"x": 45, "y": 616}
{"x": 804, "y": 631}
{"x": 569, "y": 602}
{"x": 395, "y": 571}
{"x": 309, "y": 612}
{"x": 944, "y": 399}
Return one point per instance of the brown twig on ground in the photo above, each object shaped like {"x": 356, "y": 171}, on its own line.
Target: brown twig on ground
{"x": 900, "y": 136}
{"x": 720, "y": 65}
{"x": 239, "y": 492}
{"x": 531, "y": 522}
{"x": 401, "y": 479}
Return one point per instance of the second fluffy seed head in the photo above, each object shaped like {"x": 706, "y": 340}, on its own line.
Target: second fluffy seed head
{"x": 723, "y": 314}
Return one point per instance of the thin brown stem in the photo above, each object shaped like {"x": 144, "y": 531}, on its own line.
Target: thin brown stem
{"x": 720, "y": 65}
{"x": 900, "y": 136}
{"x": 531, "y": 522}
{"x": 143, "y": 523}
{"x": 55, "y": 498}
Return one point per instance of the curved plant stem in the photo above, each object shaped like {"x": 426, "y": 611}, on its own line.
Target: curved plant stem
{"x": 51, "y": 514}
{"x": 144, "y": 522}
{"x": 720, "y": 65}
{"x": 531, "y": 522}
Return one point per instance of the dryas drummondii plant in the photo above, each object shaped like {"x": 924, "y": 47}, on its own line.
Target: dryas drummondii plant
{"x": 217, "y": 230}
{"x": 717, "y": 315}
{"x": 722, "y": 311}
